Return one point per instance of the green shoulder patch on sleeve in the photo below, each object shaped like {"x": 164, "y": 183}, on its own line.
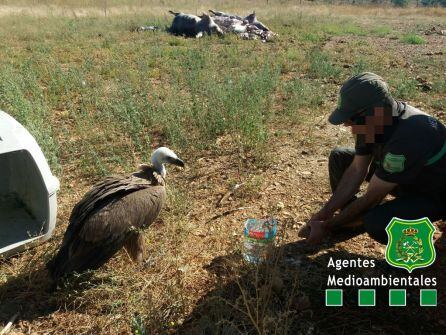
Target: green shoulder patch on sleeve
{"x": 394, "y": 163}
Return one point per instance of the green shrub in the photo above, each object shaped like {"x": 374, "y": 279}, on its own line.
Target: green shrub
{"x": 381, "y": 31}
{"x": 321, "y": 65}
{"x": 298, "y": 94}
{"x": 22, "y": 97}
{"x": 413, "y": 39}
{"x": 404, "y": 88}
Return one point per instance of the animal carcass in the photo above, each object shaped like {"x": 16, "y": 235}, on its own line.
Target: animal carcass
{"x": 247, "y": 27}
{"x": 193, "y": 26}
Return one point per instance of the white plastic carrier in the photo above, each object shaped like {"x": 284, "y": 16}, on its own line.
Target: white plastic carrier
{"x": 27, "y": 189}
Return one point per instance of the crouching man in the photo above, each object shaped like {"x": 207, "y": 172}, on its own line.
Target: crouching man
{"x": 399, "y": 150}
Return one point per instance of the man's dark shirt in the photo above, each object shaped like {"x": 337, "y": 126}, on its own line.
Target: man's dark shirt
{"x": 403, "y": 152}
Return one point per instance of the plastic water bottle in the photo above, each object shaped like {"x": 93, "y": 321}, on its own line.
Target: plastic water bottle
{"x": 259, "y": 235}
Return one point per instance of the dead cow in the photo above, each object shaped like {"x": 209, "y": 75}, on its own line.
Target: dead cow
{"x": 228, "y": 24}
{"x": 231, "y": 16}
{"x": 193, "y": 26}
{"x": 252, "y": 20}
{"x": 247, "y": 27}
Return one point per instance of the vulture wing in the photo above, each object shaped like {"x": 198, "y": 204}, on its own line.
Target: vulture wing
{"x": 103, "y": 193}
{"x": 111, "y": 212}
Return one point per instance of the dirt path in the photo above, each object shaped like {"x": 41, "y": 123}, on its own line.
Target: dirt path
{"x": 295, "y": 186}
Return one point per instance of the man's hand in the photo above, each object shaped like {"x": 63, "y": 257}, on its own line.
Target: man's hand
{"x": 348, "y": 186}
{"x": 317, "y": 232}
{"x": 318, "y": 226}
{"x": 350, "y": 216}
{"x": 322, "y": 215}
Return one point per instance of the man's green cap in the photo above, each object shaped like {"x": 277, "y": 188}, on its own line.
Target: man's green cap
{"x": 359, "y": 92}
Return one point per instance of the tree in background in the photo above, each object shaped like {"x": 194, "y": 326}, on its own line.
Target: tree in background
{"x": 401, "y": 3}
{"x": 433, "y": 3}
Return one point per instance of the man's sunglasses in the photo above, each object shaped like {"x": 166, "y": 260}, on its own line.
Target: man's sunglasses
{"x": 355, "y": 118}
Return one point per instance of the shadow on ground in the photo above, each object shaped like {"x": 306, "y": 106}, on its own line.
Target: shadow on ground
{"x": 28, "y": 294}
{"x": 33, "y": 295}
{"x": 289, "y": 297}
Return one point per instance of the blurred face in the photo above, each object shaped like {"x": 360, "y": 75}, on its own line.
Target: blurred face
{"x": 368, "y": 126}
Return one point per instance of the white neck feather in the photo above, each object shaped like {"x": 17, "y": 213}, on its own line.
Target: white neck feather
{"x": 160, "y": 168}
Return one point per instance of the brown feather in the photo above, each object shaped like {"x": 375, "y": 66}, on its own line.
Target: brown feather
{"x": 110, "y": 214}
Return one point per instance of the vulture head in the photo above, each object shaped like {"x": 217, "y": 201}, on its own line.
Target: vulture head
{"x": 162, "y": 156}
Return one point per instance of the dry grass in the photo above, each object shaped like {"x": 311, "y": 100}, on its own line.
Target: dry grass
{"x": 79, "y": 8}
{"x": 143, "y": 90}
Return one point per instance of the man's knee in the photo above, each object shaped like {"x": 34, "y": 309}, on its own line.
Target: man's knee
{"x": 375, "y": 225}
{"x": 339, "y": 153}
{"x": 332, "y": 158}
{"x": 340, "y": 157}
{"x": 338, "y": 161}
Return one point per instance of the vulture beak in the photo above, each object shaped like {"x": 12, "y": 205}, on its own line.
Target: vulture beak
{"x": 175, "y": 161}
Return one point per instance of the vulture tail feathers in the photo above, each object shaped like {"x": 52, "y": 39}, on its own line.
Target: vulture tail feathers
{"x": 86, "y": 257}
{"x": 56, "y": 266}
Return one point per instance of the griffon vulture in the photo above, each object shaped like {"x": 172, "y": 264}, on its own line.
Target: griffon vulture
{"x": 111, "y": 215}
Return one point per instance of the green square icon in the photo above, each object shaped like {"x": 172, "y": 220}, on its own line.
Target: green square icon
{"x": 333, "y": 297}
{"x": 428, "y": 297}
{"x": 397, "y": 297}
{"x": 366, "y": 297}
